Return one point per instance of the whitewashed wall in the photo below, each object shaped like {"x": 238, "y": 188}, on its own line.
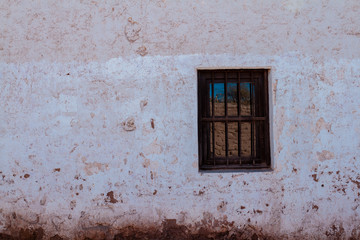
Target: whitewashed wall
{"x": 98, "y": 116}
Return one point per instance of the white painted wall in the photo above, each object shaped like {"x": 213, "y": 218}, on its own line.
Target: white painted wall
{"x": 73, "y": 73}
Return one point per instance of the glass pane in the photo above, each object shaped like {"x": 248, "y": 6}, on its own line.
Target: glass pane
{"x": 247, "y": 98}
{"x": 209, "y": 146}
{"x": 233, "y": 138}
{"x": 232, "y": 99}
{"x": 219, "y": 101}
{"x": 246, "y": 139}
{"x": 258, "y": 139}
{"x": 220, "y": 150}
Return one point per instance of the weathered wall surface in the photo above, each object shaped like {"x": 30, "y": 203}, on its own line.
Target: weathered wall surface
{"x": 98, "y": 116}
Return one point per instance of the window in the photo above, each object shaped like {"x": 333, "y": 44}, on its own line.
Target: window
{"x": 233, "y": 119}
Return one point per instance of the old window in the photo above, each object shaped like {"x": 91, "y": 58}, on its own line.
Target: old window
{"x": 233, "y": 119}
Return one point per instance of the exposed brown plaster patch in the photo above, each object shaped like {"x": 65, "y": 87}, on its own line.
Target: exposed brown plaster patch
{"x": 355, "y": 182}
{"x": 132, "y": 30}
{"x": 72, "y": 204}
{"x": 95, "y": 167}
{"x": 321, "y": 124}
{"x": 56, "y": 237}
{"x": 314, "y": 176}
{"x": 152, "y": 121}
{"x": 335, "y": 232}
{"x": 153, "y": 148}
{"x": 110, "y": 197}
{"x": 146, "y": 161}
{"x": 171, "y": 230}
{"x": 175, "y": 160}
{"x": 129, "y": 124}
{"x": 199, "y": 193}
{"x": 43, "y": 200}
{"x": 222, "y": 206}
{"x": 325, "y": 155}
{"x": 74, "y": 148}
{"x": 142, "y": 51}
{"x": 143, "y": 104}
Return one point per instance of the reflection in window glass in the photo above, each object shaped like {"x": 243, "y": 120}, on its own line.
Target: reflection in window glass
{"x": 219, "y": 132}
{"x": 232, "y": 99}
{"x": 246, "y": 139}
{"x": 219, "y": 99}
{"x": 233, "y": 138}
{"x": 247, "y": 97}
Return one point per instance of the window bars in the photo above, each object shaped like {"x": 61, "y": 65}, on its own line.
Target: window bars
{"x": 233, "y": 119}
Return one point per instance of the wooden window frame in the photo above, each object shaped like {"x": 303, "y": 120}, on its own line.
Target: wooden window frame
{"x": 258, "y": 119}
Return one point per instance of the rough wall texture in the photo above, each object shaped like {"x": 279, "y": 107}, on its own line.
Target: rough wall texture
{"x": 98, "y": 118}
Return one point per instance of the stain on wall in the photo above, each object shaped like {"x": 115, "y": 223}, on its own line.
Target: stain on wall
{"x": 98, "y": 119}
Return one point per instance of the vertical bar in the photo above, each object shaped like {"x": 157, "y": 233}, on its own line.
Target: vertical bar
{"x": 259, "y": 106}
{"x": 208, "y": 145}
{"x": 213, "y": 114}
{"x": 200, "y": 133}
{"x": 251, "y": 95}
{"x": 239, "y": 114}
{"x": 212, "y": 95}
{"x": 267, "y": 121}
{"x": 226, "y": 143}
{"x": 252, "y": 141}
{"x": 252, "y": 114}
{"x": 226, "y": 110}
{"x": 207, "y": 104}
{"x": 226, "y": 123}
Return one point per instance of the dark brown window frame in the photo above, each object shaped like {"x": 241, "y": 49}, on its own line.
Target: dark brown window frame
{"x": 258, "y": 119}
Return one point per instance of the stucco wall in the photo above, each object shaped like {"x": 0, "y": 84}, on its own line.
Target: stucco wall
{"x": 98, "y": 116}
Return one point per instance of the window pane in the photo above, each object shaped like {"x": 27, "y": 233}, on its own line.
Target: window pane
{"x": 232, "y": 99}
{"x": 219, "y": 99}
{"x": 233, "y": 139}
{"x": 245, "y": 139}
{"x": 220, "y": 150}
{"x": 259, "y": 139}
{"x": 247, "y": 98}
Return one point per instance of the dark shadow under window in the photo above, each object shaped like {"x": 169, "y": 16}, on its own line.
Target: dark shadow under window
{"x": 233, "y": 119}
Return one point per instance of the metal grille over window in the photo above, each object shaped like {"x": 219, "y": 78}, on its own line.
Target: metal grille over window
{"x": 233, "y": 119}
